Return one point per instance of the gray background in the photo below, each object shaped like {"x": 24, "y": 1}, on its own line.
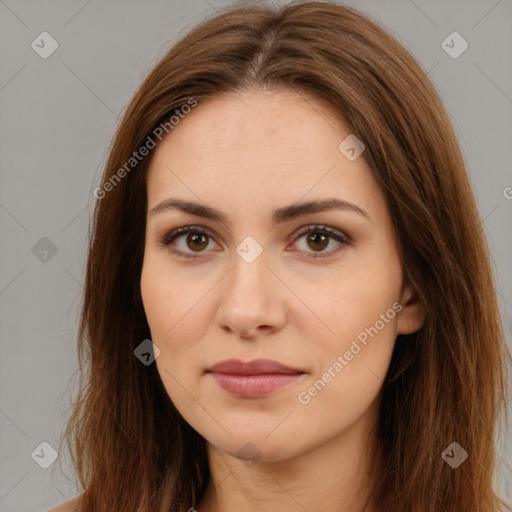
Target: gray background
{"x": 58, "y": 116}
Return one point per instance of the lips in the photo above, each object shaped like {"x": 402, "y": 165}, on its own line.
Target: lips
{"x": 255, "y": 367}
{"x": 253, "y": 379}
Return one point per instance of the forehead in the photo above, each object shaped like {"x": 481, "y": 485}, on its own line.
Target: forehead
{"x": 264, "y": 145}
{"x": 260, "y": 123}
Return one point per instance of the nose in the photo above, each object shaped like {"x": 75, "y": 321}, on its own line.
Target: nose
{"x": 252, "y": 299}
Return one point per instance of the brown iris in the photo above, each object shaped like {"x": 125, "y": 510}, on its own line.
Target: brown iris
{"x": 318, "y": 238}
{"x": 199, "y": 241}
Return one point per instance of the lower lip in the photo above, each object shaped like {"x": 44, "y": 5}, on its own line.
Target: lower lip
{"x": 254, "y": 386}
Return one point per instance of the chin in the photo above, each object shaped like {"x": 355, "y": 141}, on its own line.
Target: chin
{"x": 254, "y": 445}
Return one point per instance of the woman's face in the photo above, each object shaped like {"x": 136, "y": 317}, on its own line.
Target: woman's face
{"x": 255, "y": 285}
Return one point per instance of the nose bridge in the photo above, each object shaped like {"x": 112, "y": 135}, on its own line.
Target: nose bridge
{"x": 249, "y": 275}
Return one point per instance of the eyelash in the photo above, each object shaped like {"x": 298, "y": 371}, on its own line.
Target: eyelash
{"x": 169, "y": 237}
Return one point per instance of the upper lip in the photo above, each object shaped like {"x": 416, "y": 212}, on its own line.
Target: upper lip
{"x": 255, "y": 367}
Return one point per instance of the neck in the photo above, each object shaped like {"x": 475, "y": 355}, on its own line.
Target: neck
{"x": 335, "y": 476}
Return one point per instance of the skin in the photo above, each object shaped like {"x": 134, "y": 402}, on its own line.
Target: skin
{"x": 245, "y": 155}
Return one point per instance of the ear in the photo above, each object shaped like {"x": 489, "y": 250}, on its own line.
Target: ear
{"x": 413, "y": 313}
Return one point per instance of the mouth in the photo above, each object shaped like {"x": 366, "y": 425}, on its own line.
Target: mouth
{"x": 253, "y": 379}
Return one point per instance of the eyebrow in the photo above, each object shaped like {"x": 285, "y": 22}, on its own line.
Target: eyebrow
{"x": 279, "y": 215}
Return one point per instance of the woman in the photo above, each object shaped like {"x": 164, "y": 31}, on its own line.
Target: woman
{"x": 289, "y": 302}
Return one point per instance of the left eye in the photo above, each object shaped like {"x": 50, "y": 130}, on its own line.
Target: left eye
{"x": 316, "y": 237}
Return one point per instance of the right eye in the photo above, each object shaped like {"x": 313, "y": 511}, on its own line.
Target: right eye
{"x": 197, "y": 238}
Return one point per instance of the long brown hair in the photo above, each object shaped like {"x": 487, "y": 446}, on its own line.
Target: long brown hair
{"x": 446, "y": 383}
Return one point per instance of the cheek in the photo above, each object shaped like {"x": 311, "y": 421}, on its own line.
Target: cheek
{"x": 175, "y": 324}
{"x": 156, "y": 302}
{"x": 354, "y": 300}
{"x": 350, "y": 375}
{"x": 169, "y": 300}
{"x": 360, "y": 309}
{"x": 176, "y": 311}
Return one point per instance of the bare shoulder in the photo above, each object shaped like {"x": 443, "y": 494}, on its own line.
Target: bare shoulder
{"x": 68, "y": 506}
